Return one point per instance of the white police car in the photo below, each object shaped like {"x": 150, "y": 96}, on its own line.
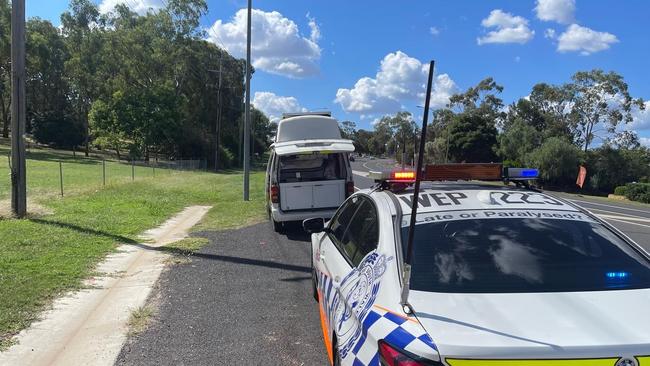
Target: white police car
{"x": 499, "y": 276}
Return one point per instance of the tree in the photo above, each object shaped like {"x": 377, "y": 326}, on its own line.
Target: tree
{"x": 600, "y": 99}
{"x": 48, "y": 93}
{"x": 472, "y": 138}
{"x": 557, "y": 159}
{"x": 517, "y": 142}
{"x": 481, "y": 99}
{"x": 83, "y": 34}
{"x": 362, "y": 140}
{"x": 348, "y": 129}
{"x": 57, "y": 129}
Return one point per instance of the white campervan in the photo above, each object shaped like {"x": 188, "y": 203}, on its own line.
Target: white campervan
{"x": 308, "y": 173}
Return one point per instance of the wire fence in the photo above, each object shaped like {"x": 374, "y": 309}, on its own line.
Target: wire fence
{"x": 47, "y": 174}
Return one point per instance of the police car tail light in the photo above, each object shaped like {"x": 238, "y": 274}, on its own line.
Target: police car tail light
{"x": 393, "y": 356}
{"x": 275, "y": 194}
{"x": 349, "y": 189}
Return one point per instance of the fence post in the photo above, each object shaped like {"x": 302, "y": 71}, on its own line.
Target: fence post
{"x": 132, "y": 169}
{"x": 61, "y": 176}
{"x": 153, "y": 166}
{"x": 104, "y": 172}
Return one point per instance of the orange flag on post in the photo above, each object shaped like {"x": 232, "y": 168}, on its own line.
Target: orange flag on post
{"x": 582, "y": 175}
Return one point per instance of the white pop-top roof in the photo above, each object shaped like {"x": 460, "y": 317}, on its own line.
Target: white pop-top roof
{"x": 308, "y": 128}
{"x": 305, "y": 134}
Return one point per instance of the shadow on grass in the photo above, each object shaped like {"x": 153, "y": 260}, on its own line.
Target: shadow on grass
{"x": 84, "y": 230}
{"x": 178, "y": 251}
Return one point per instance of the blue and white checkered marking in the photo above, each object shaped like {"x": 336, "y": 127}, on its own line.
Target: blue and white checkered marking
{"x": 358, "y": 342}
{"x": 395, "y": 330}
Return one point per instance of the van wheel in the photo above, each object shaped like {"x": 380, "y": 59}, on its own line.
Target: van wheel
{"x": 278, "y": 226}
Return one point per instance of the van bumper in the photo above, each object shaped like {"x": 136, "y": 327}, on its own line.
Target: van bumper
{"x": 299, "y": 215}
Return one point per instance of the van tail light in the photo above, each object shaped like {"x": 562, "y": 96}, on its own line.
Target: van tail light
{"x": 349, "y": 189}
{"x": 393, "y": 356}
{"x": 275, "y": 193}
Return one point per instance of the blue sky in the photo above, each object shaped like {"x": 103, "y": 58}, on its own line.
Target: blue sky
{"x": 329, "y": 54}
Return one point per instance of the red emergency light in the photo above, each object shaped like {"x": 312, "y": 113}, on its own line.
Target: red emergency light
{"x": 404, "y": 176}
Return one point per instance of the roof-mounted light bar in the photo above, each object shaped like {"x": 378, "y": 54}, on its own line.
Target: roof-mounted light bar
{"x": 451, "y": 172}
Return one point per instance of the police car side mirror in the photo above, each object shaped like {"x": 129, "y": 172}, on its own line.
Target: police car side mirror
{"x": 314, "y": 225}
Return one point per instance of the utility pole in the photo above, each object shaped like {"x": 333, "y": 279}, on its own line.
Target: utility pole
{"x": 18, "y": 176}
{"x": 247, "y": 115}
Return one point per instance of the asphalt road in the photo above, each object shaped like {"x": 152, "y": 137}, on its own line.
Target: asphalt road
{"x": 631, "y": 218}
{"x": 245, "y": 299}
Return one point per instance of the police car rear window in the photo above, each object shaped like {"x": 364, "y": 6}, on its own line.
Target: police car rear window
{"x": 521, "y": 251}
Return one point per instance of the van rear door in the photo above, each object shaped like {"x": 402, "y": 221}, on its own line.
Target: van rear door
{"x": 311, "y": 181}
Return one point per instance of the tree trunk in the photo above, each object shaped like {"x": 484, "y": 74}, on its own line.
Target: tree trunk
{"x": 5, "y": 120}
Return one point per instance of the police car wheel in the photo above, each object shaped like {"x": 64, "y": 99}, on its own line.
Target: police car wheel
{"x": 313, "y": 285}
{"x": 337, "y": 356}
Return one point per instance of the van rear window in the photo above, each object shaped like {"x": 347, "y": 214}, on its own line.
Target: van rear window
{"x": 312, "y": 167}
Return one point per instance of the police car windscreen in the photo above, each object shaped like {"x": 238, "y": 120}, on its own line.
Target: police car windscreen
{"x": 522, "y": 254}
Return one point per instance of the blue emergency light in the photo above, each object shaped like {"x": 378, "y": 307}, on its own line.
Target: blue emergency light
{"x": 521, "y": 173}
{"x": 617, "y": 275}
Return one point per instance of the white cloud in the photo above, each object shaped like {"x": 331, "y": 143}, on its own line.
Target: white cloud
{"x": 645, "y": 141}
{"x": 509, "y": 28}
{"x": 274, "y": 105}
{"x": 584, "y": 40}
{"x": 139, "y": 6}
{"x": 550, "y": 33}
{"x": 314, "y": 34}
{"x": 641, "y": 118}
{"x": 278, "y": 47}
{"x": 560, "y": 11}
{"x": 434, "y": 31}
{"x": 400, "y": 78}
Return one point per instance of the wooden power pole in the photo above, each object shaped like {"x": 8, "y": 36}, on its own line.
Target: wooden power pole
{"x": 18, "y": 176}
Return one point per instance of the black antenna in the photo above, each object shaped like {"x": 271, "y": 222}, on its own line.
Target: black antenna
{"x": 418, "y": 171}
{"x": 406, "y": 276}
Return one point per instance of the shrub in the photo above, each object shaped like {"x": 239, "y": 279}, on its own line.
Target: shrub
{"x": 557, "y": 160}
{"x": 57, "y": 130}
{"x": 638, "y": 192}
{"x": 226, "y": 158}
{"x": 620, "y": 190}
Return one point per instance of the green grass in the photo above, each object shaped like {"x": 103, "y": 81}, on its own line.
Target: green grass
{"x": 43, "y": 257}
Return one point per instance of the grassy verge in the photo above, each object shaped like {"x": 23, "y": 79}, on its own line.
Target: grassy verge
{"x": 47, "y": 256}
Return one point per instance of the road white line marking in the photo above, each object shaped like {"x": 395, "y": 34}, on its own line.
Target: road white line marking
{"x": 624, "y": 218}
{"x": 360, "y": 173}
{"x": 613, "y": 206}
{"x": 365, "y": 166}
{"x": 622, "y": 215}
{"x": 627, "y": 222}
